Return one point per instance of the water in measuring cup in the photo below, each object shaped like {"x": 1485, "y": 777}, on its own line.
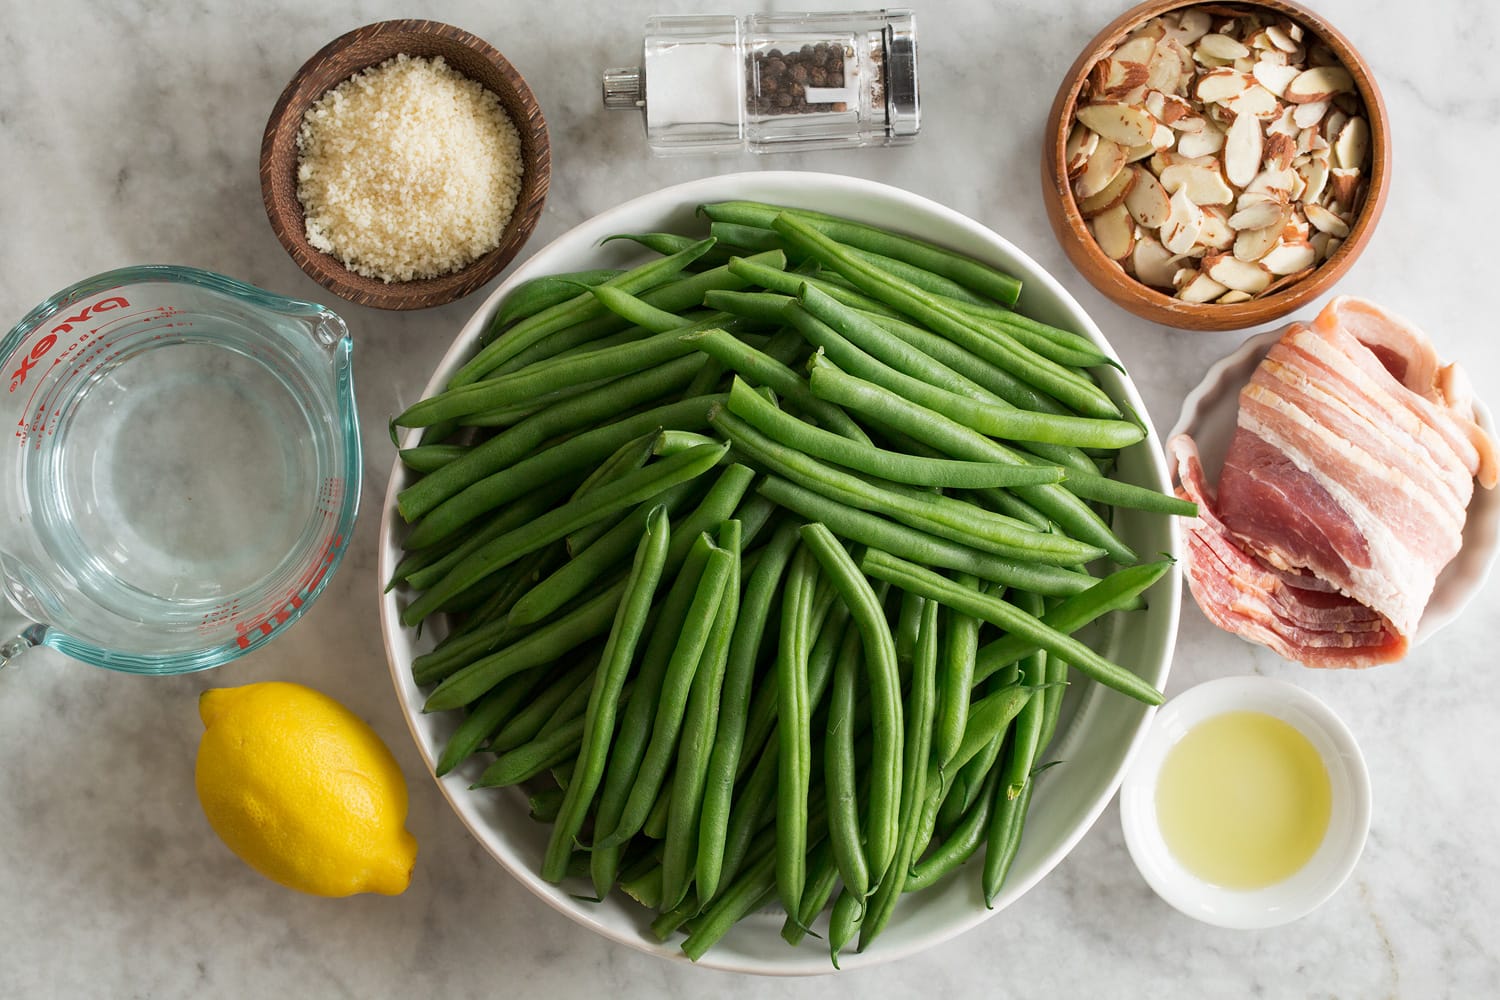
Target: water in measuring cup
{"x": 183, "y": 473}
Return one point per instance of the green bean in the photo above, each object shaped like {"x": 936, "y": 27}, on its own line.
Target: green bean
{"x": 867, "y": 529}
{"x": 699, "y": 732}
{"x": 531, "y": 297}
{"x": 915, "y": 470}
{"x": 429, "y": 563}
{"x": 1092, "y": 486}
{"x": 534, "y": 382}
{"x": 883, "y": 810}
{"x": 630, "y": 456}
{"x": 629, "y": 489}
{"x": 754, "y": 513}
{"x": 462, "y": 646}
{"x": 742, "y": 897}
{"x": 793, "y": 731}
{"x": 431, "y": 457}
{"x": 746, "y": 237}
{"x": 960, "y": 844}
{"x": 844, "y": 923}
{"x": 609, "y": 680}
{"x": 938, "y": 515}
{"x": 636, "y": 723}
{"x": 655, "y": 826}
{"x": 839, "y": 773}
{"x": 956, "y": 678}
{"x": 585, "y": 622}
{"x": 531, "y": 759}
{"x": 762, "y": 369}
{"x": 485, "y": 718}
{"x": 547, "y": 696}
{"x": 1072, "y": 514}
{"x": 578, "y": 309}
{"x": 790, "y": 283}
{"x": 1031, "y": 331}
{"x": 976, "y": 409}
{"x": 739, "y": 676}
{"x": 763, "y": 306}
{"x": 1063, "y": 384}
{"x": 1117, "y": 591}
{"x": 1025, "y": 738}
{"x": 1007, "y": 819}
{"x": 543, "y": 805}
{"x": 908, "y": 575}
{"x": 753, "y": 805}
{"x": 639, "y": 312}
{"x": 667, "y": 244}
{"x": 675, "y": 687}
{"x": 966, "y": 271}
{"x": 822, "y": 877}
{"x": 513, "y": 445}
{"x": 914, "y": 777}
{"x": 1052, "y": 699}
{"x": 585, "y": 569}
{"x": 965, "y": 782}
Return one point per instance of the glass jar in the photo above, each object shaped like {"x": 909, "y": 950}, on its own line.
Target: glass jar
{"x": 773, "y": 82}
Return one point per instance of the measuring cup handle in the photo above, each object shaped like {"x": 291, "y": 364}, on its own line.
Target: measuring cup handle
{"x": 18, "y": 644}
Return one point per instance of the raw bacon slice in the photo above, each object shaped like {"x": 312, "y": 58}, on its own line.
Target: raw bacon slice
{"x": 1343, "y": 494}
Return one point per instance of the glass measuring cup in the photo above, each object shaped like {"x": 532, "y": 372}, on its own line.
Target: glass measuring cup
{"x": 182, "y": 471}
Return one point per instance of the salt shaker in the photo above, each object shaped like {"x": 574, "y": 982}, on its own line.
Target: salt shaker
{"x": 773, "y": 82}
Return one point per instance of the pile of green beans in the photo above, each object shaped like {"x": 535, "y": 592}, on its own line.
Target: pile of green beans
{"x": 762, "y": 568}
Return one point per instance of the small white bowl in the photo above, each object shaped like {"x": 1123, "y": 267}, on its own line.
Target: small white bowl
{"x": 1329, "y": 866}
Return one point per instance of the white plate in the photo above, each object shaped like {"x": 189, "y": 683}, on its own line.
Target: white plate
{"x": 1097, "y": 743}
{"x": 1210, "y": 412}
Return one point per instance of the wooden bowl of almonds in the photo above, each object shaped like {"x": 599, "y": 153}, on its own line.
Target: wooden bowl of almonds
{"x": 405, "y": 164}
{"x": 1215, "y": 166}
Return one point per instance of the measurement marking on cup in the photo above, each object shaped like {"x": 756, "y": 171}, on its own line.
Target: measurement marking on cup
{"x": 259, "y": 629}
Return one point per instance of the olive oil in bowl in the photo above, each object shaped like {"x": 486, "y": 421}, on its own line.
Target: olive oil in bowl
{"x": 1243, "y": 800}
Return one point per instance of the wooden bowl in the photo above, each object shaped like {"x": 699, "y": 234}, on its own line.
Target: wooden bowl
{"x": 339, "y": 60}
{"x": 1155, "y": 305}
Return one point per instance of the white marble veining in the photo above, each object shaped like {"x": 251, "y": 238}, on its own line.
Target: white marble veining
{"x": 129, "y": 133}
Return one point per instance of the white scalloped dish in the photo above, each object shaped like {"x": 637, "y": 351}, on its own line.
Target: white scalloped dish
{"x": 1097, "y": 741}
{"x": 1209, "y": 414}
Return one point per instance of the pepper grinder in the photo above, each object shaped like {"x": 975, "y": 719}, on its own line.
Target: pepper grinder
{"x": 773, "y": 82}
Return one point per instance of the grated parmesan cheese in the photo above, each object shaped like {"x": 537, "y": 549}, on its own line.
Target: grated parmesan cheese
{"x": 407, "y": 170}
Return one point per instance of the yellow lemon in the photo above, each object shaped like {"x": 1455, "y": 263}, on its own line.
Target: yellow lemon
{"x": 303, "y": 790}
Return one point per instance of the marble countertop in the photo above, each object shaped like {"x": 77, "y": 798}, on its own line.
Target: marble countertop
{"x": 129, "y": 133}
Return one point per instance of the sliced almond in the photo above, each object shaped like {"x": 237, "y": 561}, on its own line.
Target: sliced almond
{"x": 1222, "y": 47}
{"x": 1289, "y": 258}
{"x": 1233, "y": 297}
{"x": 1113, "y": 194}
{"x": 1308, "y": 115}
{"x": 1180, "y": 231}
{"x": 1203, "y": 143}
{"x": 1319, "y": 84}
{"x": 1103, "y": 166}
{"x": 1254, "y": 100}
{"x": 1242, "y": 150}
{"x": 1253, "y": 244}
{"x": 1353, "y": 144}
{"x": 1214, "y": 232}
{"x": 1319, "y": 242}
{"x": 1325, "y": 221}
{"x": 1164, "y": 71}
{"x": 1258, "y": 215}
{"x": 1163, "y": 137}
{"x": 1138, "y": 50}
{"x": 1334, "y": 124}
{"x": 1274, "y": 77}
{"x": 1315, "y": 178}
{"x": 1118, "y": 122}
{"x": 1234, "y": 273}
{"x": 1147, "y": 201}
{"x": 1202, "y": 182}
{"x": 1152, "y": 263}
{"x": 1079, "y": 148}
{"x": 1281, "y": 39}
{"x": 1114, "y": 231}
{"x": 1343, "y": 185}
{"x": 1279, "y": 150}
{"x": 1114, "y": 78}
{"x": 1276, "y": 181}
{"x": 1172, "y": 109}
{"x": 1201, "y": 288}
{"x": 1192, "y": 24}
{"x": 1220, "y": 85}
{"x": 1333, "y": 246}
{"x": 1285, "y": 122}
{"x": 1286, "y": 281}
